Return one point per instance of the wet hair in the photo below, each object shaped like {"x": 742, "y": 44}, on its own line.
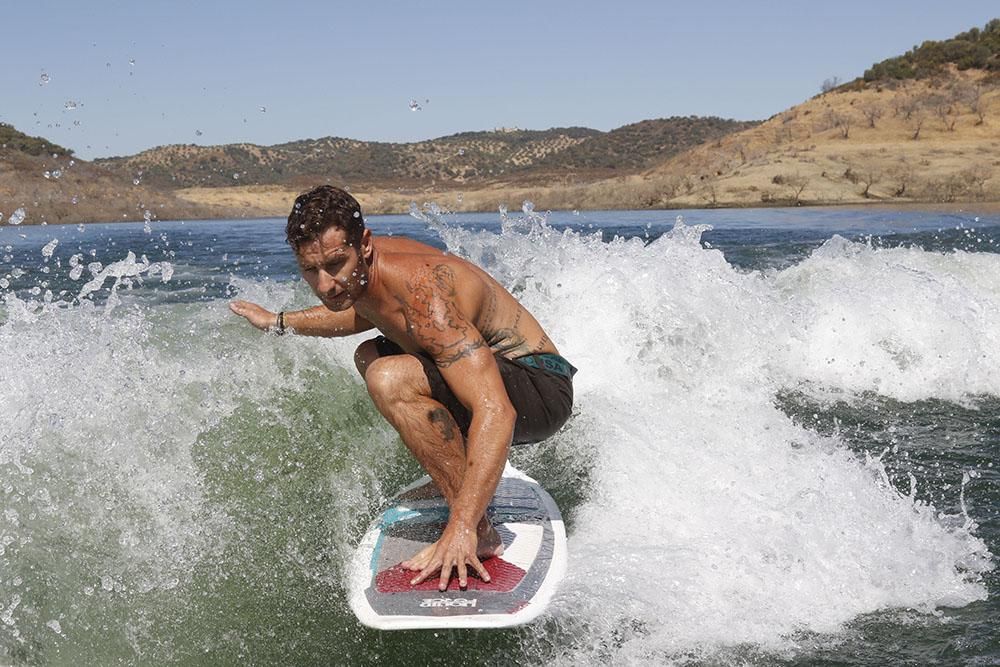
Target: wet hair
{"x": 318, "y": 210}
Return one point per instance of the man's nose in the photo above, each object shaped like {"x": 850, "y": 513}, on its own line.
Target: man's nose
{"x": 326, "y": 282}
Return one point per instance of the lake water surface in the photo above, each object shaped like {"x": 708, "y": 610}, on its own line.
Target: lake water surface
{"x": 784, "y": 449}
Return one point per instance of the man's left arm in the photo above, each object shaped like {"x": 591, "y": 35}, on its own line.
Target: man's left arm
{"x": 470, "y": 370}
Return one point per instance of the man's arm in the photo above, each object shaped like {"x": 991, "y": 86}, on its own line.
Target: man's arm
{"x": 316, "y": 321}
{"x": 468, "y": 366}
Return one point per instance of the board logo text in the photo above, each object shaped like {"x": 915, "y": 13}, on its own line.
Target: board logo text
{"x": 448, "y": 602}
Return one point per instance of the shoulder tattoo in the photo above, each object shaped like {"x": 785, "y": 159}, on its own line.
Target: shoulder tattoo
{"x": 433, "y": 319}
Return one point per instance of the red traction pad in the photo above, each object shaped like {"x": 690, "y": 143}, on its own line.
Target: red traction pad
{"x": 504, "y": 577}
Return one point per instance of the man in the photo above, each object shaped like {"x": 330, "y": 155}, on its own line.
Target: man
{"x": 461, "y": 369}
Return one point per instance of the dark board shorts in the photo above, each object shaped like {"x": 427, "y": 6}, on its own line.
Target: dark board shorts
{"x": 540, "y": 387}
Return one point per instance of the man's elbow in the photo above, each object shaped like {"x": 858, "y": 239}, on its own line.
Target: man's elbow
{"x": 501, "y": 415}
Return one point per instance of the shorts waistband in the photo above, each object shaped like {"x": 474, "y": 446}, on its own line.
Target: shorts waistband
{"x": 552, "y": 363}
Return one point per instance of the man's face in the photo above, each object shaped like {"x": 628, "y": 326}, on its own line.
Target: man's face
{"x": 337, "y": 272}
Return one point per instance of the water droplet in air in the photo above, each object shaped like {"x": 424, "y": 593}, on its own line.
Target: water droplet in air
{"x": 136, "y": 180}
{"x": 461, "y": 151}
{"x": 236, "y": 177}
{"x": 197, "y": 133}
{"x": 357, "y": 215}
{"x": 50, "y": 248}
{"x": 263, "y": 109}
{"x": 131, "y": 62}
{"x": 55, "y": 627}
{"x": 70, "y": 105}
{"x": 47, "y": 174}
{"x": 74, "y": 200}
{"x": 44, "y": 79}
{"x": 57, "y": 173}
{"x": 17, "y": 217}
{"x": 414, "y": 105}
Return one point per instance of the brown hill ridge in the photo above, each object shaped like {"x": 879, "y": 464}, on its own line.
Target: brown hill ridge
{"x": 932, "y": 140}
{"x": 529, "y": 156}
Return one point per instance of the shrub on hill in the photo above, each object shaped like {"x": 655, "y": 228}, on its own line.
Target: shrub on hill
{"x": 19, "y": 141}
{"x": 975, "y": 49}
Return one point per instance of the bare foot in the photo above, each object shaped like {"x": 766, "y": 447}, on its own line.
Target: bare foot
{"x": 490, "y": 544}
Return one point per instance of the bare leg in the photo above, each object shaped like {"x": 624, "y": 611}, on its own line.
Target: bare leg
{"x": 400, "y": 391}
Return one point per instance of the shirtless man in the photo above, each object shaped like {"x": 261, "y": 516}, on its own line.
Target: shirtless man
{"x": 461, "y": 369}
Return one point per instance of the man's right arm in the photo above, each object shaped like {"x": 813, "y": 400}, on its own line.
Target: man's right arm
{"x": 316, "y": 321}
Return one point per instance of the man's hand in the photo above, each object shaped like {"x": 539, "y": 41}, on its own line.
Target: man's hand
{"x": 260, "y": 317}
{"x": 455, "y": 550}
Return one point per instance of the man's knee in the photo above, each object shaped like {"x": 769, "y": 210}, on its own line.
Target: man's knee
{"x": 394, "y": 377}
{"x": 364, "y": 355}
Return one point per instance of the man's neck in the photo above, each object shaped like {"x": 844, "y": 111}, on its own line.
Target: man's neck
{"x": 369, "y": 301}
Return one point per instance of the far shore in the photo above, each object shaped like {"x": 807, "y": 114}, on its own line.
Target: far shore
{"x": 972, "y": 208}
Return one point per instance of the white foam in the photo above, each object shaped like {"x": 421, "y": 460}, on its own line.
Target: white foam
{"x": 714, "y": 519}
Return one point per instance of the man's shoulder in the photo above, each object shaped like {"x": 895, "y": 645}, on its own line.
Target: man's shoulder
{"x": 402, "y": 247}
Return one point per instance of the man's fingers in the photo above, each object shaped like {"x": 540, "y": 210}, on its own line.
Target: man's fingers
{"x": 426, "y": 572}
{"x": 463, "y": 579}
{"x": 481, "y": 569}
{"x": 445, "y": 576}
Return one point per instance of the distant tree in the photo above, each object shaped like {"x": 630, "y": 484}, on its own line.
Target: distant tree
{"x": 941, "y": 106}
{"x": 972, "y": 96}
{"x": 902, "y": 174}
{"x": 797, "y": 184}
{"x": 830, "y": 84}
{"x": 871, "y": 110}
{"x": 869, "y": 176}
{"x": 841, "y": 121}
{"x": 908, "y": 105}
{"x": 978, "y": 174}
{"x": 917, "y": 122}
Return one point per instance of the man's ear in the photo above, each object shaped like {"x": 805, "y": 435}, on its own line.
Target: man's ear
{"x": 366, "y": 244}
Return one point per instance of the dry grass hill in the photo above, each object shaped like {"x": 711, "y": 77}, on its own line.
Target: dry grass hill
{"x": 931, "y": 140}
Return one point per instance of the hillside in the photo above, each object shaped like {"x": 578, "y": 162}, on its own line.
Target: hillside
{"x": 468, "y": 158}
{"x": 49, "y": 185}
{"x": 923, "y": 127}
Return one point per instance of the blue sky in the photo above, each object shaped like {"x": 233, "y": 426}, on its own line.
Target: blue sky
{"x": 204, "y": 70}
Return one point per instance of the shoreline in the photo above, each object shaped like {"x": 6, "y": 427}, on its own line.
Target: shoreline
{"x": 969, "y": 207}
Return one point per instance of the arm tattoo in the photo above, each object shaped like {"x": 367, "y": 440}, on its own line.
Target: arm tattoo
{"x": 543, "y": 342}
{"x": 433, "y": 318}
{"x": 506, "y": 339}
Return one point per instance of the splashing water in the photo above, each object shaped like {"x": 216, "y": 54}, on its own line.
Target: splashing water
{"x": 210, "y": 481}
{"x": 687, "y": 539}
